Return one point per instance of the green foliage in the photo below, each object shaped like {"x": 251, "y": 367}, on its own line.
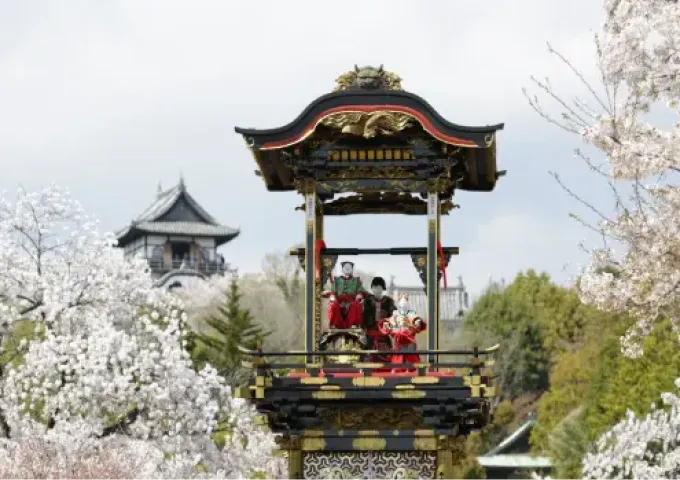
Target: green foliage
{"x": 554, "y": 344}
{"x": 516, "y": 316}
{"x": 567, "y": 444}
{"x": 624, "y": 383}
{"x": 592, "y": 384}
{"x": 469, "y": 468}
{"x": 11, "y": 353}
{"x": 570, "y": 382}
{"x": 232, "y": 326}
{"x": 504, "y": 416}
{"x": 480, "y": 442}
{"x": 537, "y": 322}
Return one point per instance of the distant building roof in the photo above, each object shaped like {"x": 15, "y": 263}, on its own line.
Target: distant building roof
{"x": 176, "y": 212}
{"x": 523, "y": 429}
{"x": 495, "y": 458}
{"x": 186, "y": 228}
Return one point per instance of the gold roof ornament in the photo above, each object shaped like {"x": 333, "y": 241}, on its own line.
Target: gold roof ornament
{"x": 368, "y": 125}
{"x": 368, "y": 78}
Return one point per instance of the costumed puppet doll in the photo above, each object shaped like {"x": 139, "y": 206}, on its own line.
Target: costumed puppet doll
{"x": 377, "y": 308}
{"x": 402, "y": 327}
{"x": 345, "y": 309}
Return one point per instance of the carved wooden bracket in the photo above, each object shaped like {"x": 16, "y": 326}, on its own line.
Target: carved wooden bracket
{"x": 420, "y": 262}
{"x": 328, "y": 263}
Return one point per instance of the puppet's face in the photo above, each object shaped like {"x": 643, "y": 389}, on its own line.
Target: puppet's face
{"x": 377, "y": 291}
{"x": 403, "y": 305}
{"x": 347, "y": 269}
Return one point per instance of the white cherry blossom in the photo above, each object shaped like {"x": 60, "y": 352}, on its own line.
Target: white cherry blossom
{"x": 634, "y": 126}
{"x": 106, "y": 380}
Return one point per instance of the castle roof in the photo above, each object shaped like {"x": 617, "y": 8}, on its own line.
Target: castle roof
{"x": 176, "y": 212}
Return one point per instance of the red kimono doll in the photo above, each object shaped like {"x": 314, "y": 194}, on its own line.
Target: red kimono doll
{"x": 402, "y": 327}
{"x": 345, "y": 309}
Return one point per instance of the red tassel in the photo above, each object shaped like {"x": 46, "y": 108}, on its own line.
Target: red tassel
{"x": 318, "y": 246}
{"x": 442, "y": 262}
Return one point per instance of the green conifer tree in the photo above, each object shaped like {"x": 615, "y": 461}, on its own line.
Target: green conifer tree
{"x": 232, "y": 325}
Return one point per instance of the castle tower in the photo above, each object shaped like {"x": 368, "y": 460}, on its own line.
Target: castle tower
{"x": 178, "y": 238}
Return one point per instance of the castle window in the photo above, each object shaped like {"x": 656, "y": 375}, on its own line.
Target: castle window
{"x": 180, "y": 250}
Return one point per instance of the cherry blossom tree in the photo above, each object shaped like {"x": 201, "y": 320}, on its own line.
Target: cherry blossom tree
{"x": 640, "y": 448}
{"x": 639, "y": 61}
{"x": 105, "y": 375}
{"x": 634, "y": 123}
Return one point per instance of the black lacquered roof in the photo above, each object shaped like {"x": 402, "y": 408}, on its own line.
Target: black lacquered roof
{"x": 358, "y": 100}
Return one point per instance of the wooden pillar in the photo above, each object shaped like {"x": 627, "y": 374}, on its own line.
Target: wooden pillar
{"x": 444, "y": 464}
{"x": 450, "y": 452}
{"x": 319, "y": 283}
{"x": 310, "y": 268}
{"x": 295, "y": 459}
{"x": 431, "y": 274}
{"x": 438, "y": 306}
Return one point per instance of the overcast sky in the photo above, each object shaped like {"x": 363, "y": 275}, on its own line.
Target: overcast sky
{"x": 109, "y": 98}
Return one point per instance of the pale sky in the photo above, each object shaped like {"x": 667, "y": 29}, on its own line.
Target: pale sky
{"x": 109, "y": 98}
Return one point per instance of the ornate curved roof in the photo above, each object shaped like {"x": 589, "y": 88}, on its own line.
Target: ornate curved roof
{"x": 366, "y": 102}
{"x": 376, "y": 96}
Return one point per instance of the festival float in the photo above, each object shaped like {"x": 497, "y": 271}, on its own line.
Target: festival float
{"x": 361, "y": 400}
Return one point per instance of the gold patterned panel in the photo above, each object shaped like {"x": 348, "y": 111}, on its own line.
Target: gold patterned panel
{"x": 408, "y": 394}
{"x": 372, "y": 444}
{"x": 425, "y": 443}
{"x": 371, "y": 418}
{"x": 348, "y": 344}
{"x": 314, "y": 380}
{"x": 394, "y": 185}
{"x": 329, "y": 395}
{"x": 368, "y": 381}
{"x": 420, "y": 380}
{"x": 242, "y": 392}
{"x": 313, "y": 444}
{"x": 367, "y": 365}
{"x": 372, "y": 154}
{"x": 372, "y": 173}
